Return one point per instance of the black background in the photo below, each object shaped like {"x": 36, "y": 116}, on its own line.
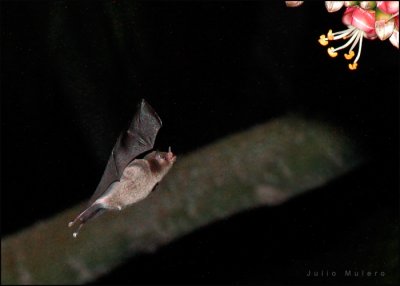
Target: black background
{"x": 72, "y": 74}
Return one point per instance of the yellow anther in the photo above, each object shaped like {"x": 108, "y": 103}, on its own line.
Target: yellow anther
{"x": 330, "y": 35}
{"x": 323, "y": 41}
{"x": 349, "y": 56}
{"x": 353, "y": 66}
{"x": 331, "y": 52}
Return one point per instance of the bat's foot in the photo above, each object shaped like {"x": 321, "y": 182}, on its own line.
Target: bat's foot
{"x": 82, "y": 218}
{"x": 75, "y": 234}
{"x": 71, "y": 223}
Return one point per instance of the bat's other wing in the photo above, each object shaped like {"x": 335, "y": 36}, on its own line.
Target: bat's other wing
{"x": 139, "y": 138}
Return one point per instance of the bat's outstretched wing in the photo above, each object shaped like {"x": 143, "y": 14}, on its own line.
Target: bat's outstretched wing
{"x": 138, "y": 139}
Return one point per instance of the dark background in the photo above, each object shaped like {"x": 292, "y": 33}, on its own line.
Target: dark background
{"x": 72, "y": 74}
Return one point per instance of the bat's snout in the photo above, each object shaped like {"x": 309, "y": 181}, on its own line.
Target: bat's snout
{"x": 171, "y": 156}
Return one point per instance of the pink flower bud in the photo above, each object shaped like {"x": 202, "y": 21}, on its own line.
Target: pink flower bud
{"x": 389, "y": 7}
{"x": 348, "y": 16}
{"x": 361, "y": 19}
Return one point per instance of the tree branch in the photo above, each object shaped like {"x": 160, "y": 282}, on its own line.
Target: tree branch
{"x": 265, "y": 165}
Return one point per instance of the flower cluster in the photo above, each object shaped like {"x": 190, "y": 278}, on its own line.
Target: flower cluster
{"x": 364, "y": 19}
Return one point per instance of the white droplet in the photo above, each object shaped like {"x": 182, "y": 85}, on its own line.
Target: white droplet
{"x": 75, "y": 234}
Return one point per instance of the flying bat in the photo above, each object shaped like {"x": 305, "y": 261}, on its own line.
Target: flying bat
{"x": 127, "y": 180}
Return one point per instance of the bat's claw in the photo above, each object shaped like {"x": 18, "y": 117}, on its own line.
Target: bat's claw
{"x": 75, "y": 234}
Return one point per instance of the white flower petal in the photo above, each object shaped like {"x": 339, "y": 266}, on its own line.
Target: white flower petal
{"x": 367, "y": 5}
{"x": 293, "y": 3}
{"x": 384, "y": 29}
{"x": 394, "y": 38}
{"x": 333, "y": 6}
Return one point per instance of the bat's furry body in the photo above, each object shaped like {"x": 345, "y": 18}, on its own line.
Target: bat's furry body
{"x": 139, "y": 176}
{"x": 127, "y": 180}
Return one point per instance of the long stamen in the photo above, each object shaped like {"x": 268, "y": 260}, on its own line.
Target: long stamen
{"x": 354, "y": 65}
{"x": 350, "y": 35}
{"x": 333, "y": 51}
{"x": 323, "y": 40}
{"x": 360, "y": 35}
{"x": 359, "y": 48}
{"x": 341, "y": 34}
{"x": 350, "y": 55}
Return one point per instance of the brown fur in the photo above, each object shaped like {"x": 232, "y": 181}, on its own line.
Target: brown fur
{"x": 155, "y": 166}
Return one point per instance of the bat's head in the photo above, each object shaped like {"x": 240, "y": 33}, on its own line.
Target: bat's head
{"x": 160, "y": 162}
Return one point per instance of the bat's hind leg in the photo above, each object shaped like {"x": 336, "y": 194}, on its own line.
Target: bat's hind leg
{"x": 90, "y": 213}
